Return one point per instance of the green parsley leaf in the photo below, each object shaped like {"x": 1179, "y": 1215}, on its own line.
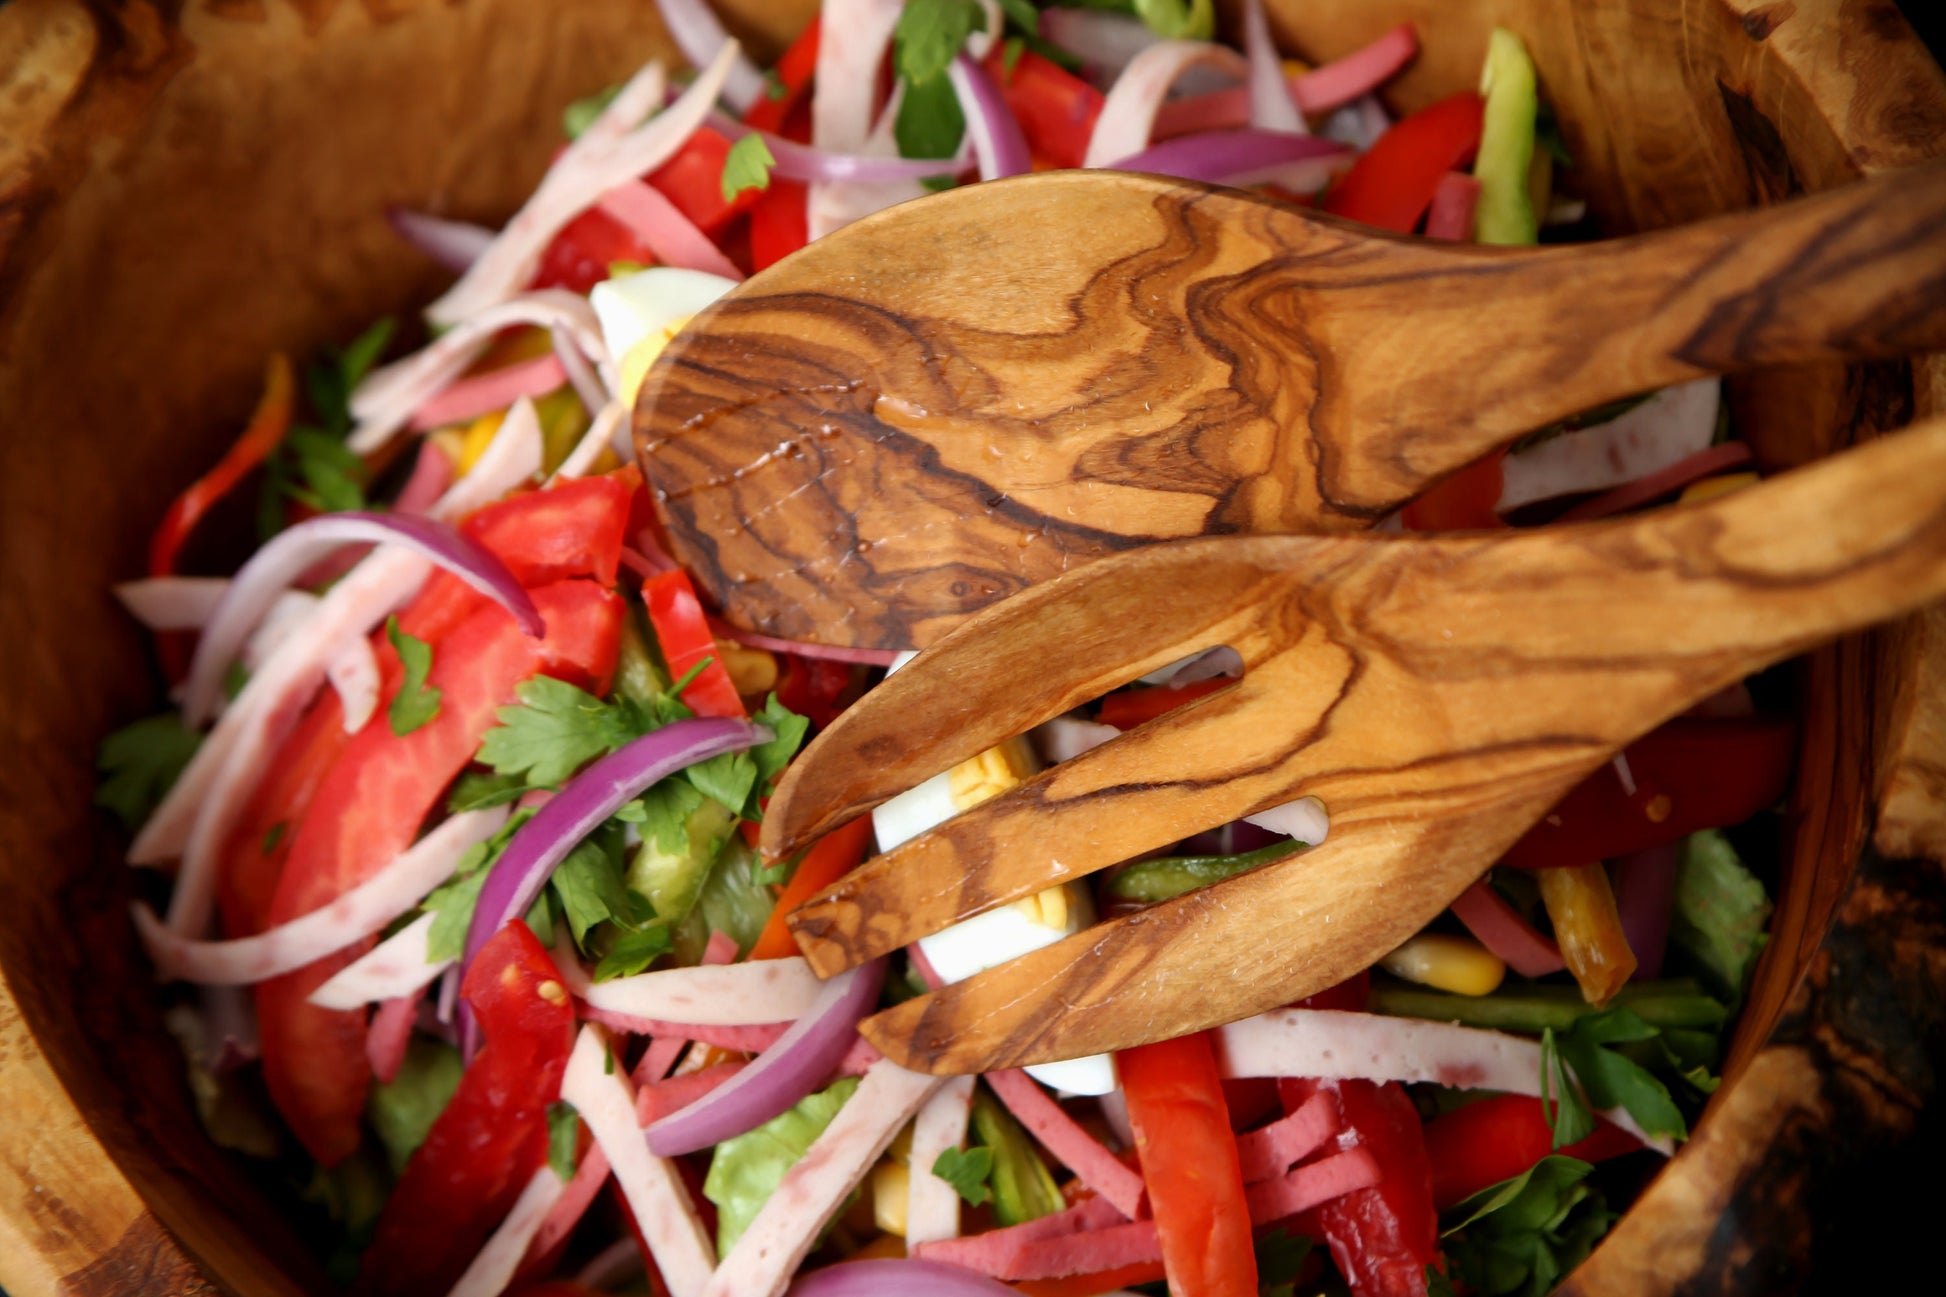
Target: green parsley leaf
{"x": 553, "y": 731}
{"x": 563, "y": 1138}
{"x": 274, "y": 835}
{"x": 453, "y": 905}
{"x": 589, "y": 882}
{"x": 1561, "y": 1100}
{"x": 930, "y": 121}
{"x": 1022, "y": 14}
{"x": 774, "y": 87}
{"x": 312, "y": 464}
{"x": 789, "y": 729}
{"x": 1437, "y": 1284}
{"x": 1720, "y": 913}
{"x": 1522, "y": 1235}
{"x": 1176, "y": 20}
{"x": 334, "y": 477}
{"x": 633, "y": 952}
{"x": 747, "y": 166}
{"x": 1010, "y": 56}
{"x": 729, "y": 777}
{"x": 967, "y": 1171}
{"x": 1280, "y": 1259}
{"x": 578, "y": 116}
{"x": 477, "y": 790}
{"x": 140, "y": 763}
{"x": 416, "y": 702}
{"x": 234, "y": 679}
{"x": 1611, "y": 1079}
{"x": 1023, "y": 1188}
{"x": 930, "y": 33}
{"x": 633, "y": 812}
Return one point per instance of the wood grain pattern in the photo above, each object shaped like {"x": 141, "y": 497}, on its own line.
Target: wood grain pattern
{"x": 1437, "y": 693}
{"x": 122, "y": 377}
{"x": 867, "y": 442}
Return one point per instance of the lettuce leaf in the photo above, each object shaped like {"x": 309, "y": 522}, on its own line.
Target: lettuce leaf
{"x": 746, "y": 1170}
{"x": 1719, "y": 915}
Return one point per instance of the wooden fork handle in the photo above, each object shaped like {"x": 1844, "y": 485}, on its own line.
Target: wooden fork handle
{"x": 1534, "y": 336}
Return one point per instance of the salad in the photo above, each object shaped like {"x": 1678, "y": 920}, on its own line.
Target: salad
{"x": 454, "y": 819}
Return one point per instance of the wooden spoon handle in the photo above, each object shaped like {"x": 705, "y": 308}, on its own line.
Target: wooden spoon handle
{"x": 1535, "y": 336}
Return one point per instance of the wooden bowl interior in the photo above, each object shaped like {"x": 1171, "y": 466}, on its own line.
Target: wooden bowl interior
{"x": 188, "y": 192}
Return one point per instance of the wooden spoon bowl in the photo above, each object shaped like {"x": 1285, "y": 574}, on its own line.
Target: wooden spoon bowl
{"x": 187, "y": 185}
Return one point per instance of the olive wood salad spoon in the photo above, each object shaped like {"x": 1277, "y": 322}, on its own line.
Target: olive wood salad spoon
{"x": 1438, "y": 693}
{"x": 964, "y": 395}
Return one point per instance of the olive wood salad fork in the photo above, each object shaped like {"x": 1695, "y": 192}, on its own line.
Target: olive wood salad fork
{"x": 1439, "y": 693}
{"x": 968, "y": 394}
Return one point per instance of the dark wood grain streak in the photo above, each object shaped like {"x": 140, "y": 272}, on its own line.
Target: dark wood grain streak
{"x": 1437, "y": 693}
{"x": 1194, "y": 361}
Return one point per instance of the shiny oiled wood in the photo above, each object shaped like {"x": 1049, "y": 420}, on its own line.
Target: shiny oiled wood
{"x": 870, "y": 441}
{"x": 1438, "y": 693}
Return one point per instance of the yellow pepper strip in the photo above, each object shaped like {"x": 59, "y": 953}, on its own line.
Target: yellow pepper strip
{"x": 1581, "y": 905}
{"x": 1448, "y": 963}
{"x": 1711, "y": 487}
{"x": 891, "y": 1184}
{"x": 479, "y": 435}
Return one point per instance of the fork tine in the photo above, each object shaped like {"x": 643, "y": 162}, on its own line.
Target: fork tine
{"x": 1031, "y": 658}
{"x": 1239, "y": 750}
{"x": 1239, "y": 947}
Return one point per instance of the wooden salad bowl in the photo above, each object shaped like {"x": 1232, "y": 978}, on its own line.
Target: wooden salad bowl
{"x": 185, "y": 186}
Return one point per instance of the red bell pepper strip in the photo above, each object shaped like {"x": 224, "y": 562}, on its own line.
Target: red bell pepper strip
{"x": 268, "y": 423}
{"x": 370, "y": 807}
{"x": 1131, "y": 707}
{"x": 794, "y": 73}
{"x": 1695, "y": 772}
{"x": 1189, "y": 1162}
{"x": 1493, "y": 1140}
{"x": 581, "y": 254}
{"x": 683, "y": 632}
{"x": 1093, "y": 1285}
{"x": 830, "y": 858}
{"x": 1392, "y": 184}
{"x": 1056, "y": 109}
{"x": 693, "y": 181}
{"x": 253, "y": 859}
{"x": 1466, "y": 501}
{"x": 573, "y": 529}
{"x": 492, "y": 1136}
{"x": 1384, "y": 1237}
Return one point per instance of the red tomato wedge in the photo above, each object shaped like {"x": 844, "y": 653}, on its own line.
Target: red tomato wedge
{"x": 370, "y": 807}
{"x": 492, "y": 1136}
{"x": 1466, "y": 501}
{"x": 1493, "y": 1140}
{"x": 1695, "y": 772}
{"x": 1056, "y": 109}
{"x": 253, "y": 859}
{"x": 683, "y": 632}
{"x": 1391, "y": 186}
{"x": 794, "y": 73}
{"x": 779, "y": 223}
{"x": 693, "y": 181}
{"x": 1189, "y": 1163}
{"x": 587, "y": 246}
{"x": 573, "y": 529}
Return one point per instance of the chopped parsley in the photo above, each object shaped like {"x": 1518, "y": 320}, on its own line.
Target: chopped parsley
{"x": 140, "y": 763}
{"x": 416, "y": 702}
{"x": 747, "y": 166}
{"x": 967, "y": 1171}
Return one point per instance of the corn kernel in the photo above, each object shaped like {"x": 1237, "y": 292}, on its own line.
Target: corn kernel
{"x": 478, "y": 436}
{"x": 1446, "y": 963}
{"x": 991, "y": 773}
{"x": 891, "y": 1184}
{"x": 1711, "y": 487}
{"x": 901, "y": 1148}
{"x": 752, "y": 670}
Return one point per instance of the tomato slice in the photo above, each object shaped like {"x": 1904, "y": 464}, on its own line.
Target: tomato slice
{"x": 1466, "y": 501}
{"x": 779, "y": 223}
{"x": 817, "y": 687}
{"x": 1694, "y": 772}
{"x": 253, "y": 859}
{"x": 1056, "y": 109}
{"x": 794, "y": 73}
{"x": 683, "y": 632}
{"x": 1189, "y": 1163}
{"x": 1391, "y": 185}
{"x": 573, "y": 529}
{"x": 492, "y": 1136}
{"x": 1384, "y": 1237}
{"x": 587, "y": 246}
{"x": 370, "y": 807}
{"x": 693, "y": 181}
{"x": 1495, "y": 1139}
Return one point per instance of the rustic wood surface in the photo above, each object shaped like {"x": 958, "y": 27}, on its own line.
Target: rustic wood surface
{"x": 868, "y": 442}
{"x": 1438, "y": 694}
{"x": 135, "y": 310}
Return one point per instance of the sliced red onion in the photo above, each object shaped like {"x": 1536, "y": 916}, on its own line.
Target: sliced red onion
{"x": 1271, "y": 107}
{"x": 1129, "y": 112}
{"x": 990, "y": 124}
{"x": 590, "y": 798}
{"x": 1105, "y": 42}
{"x": 782, "y": 1075}
{"x": 229, "y": 1022}
{"x": 809, "y": 165}
{"x": 693, "y": 25}
{"x": 396, "y": 966}
{"x": 353, "y": 673}
{"x": 581, "y": 376}
{"x": 1221, "y": 661}
{"x": 724, "y": 630}
{"x": 1219, "y": 157}
{"x": 893, "y": 1277}
{"x": 259, "y": 582}
{"x": 453, "y": 244}
{"x": 1644, "y": 490}
{"x": 1663, "y": 431}
{"x": 1645, "y": 888}
{"x": 1304, "y": 819}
